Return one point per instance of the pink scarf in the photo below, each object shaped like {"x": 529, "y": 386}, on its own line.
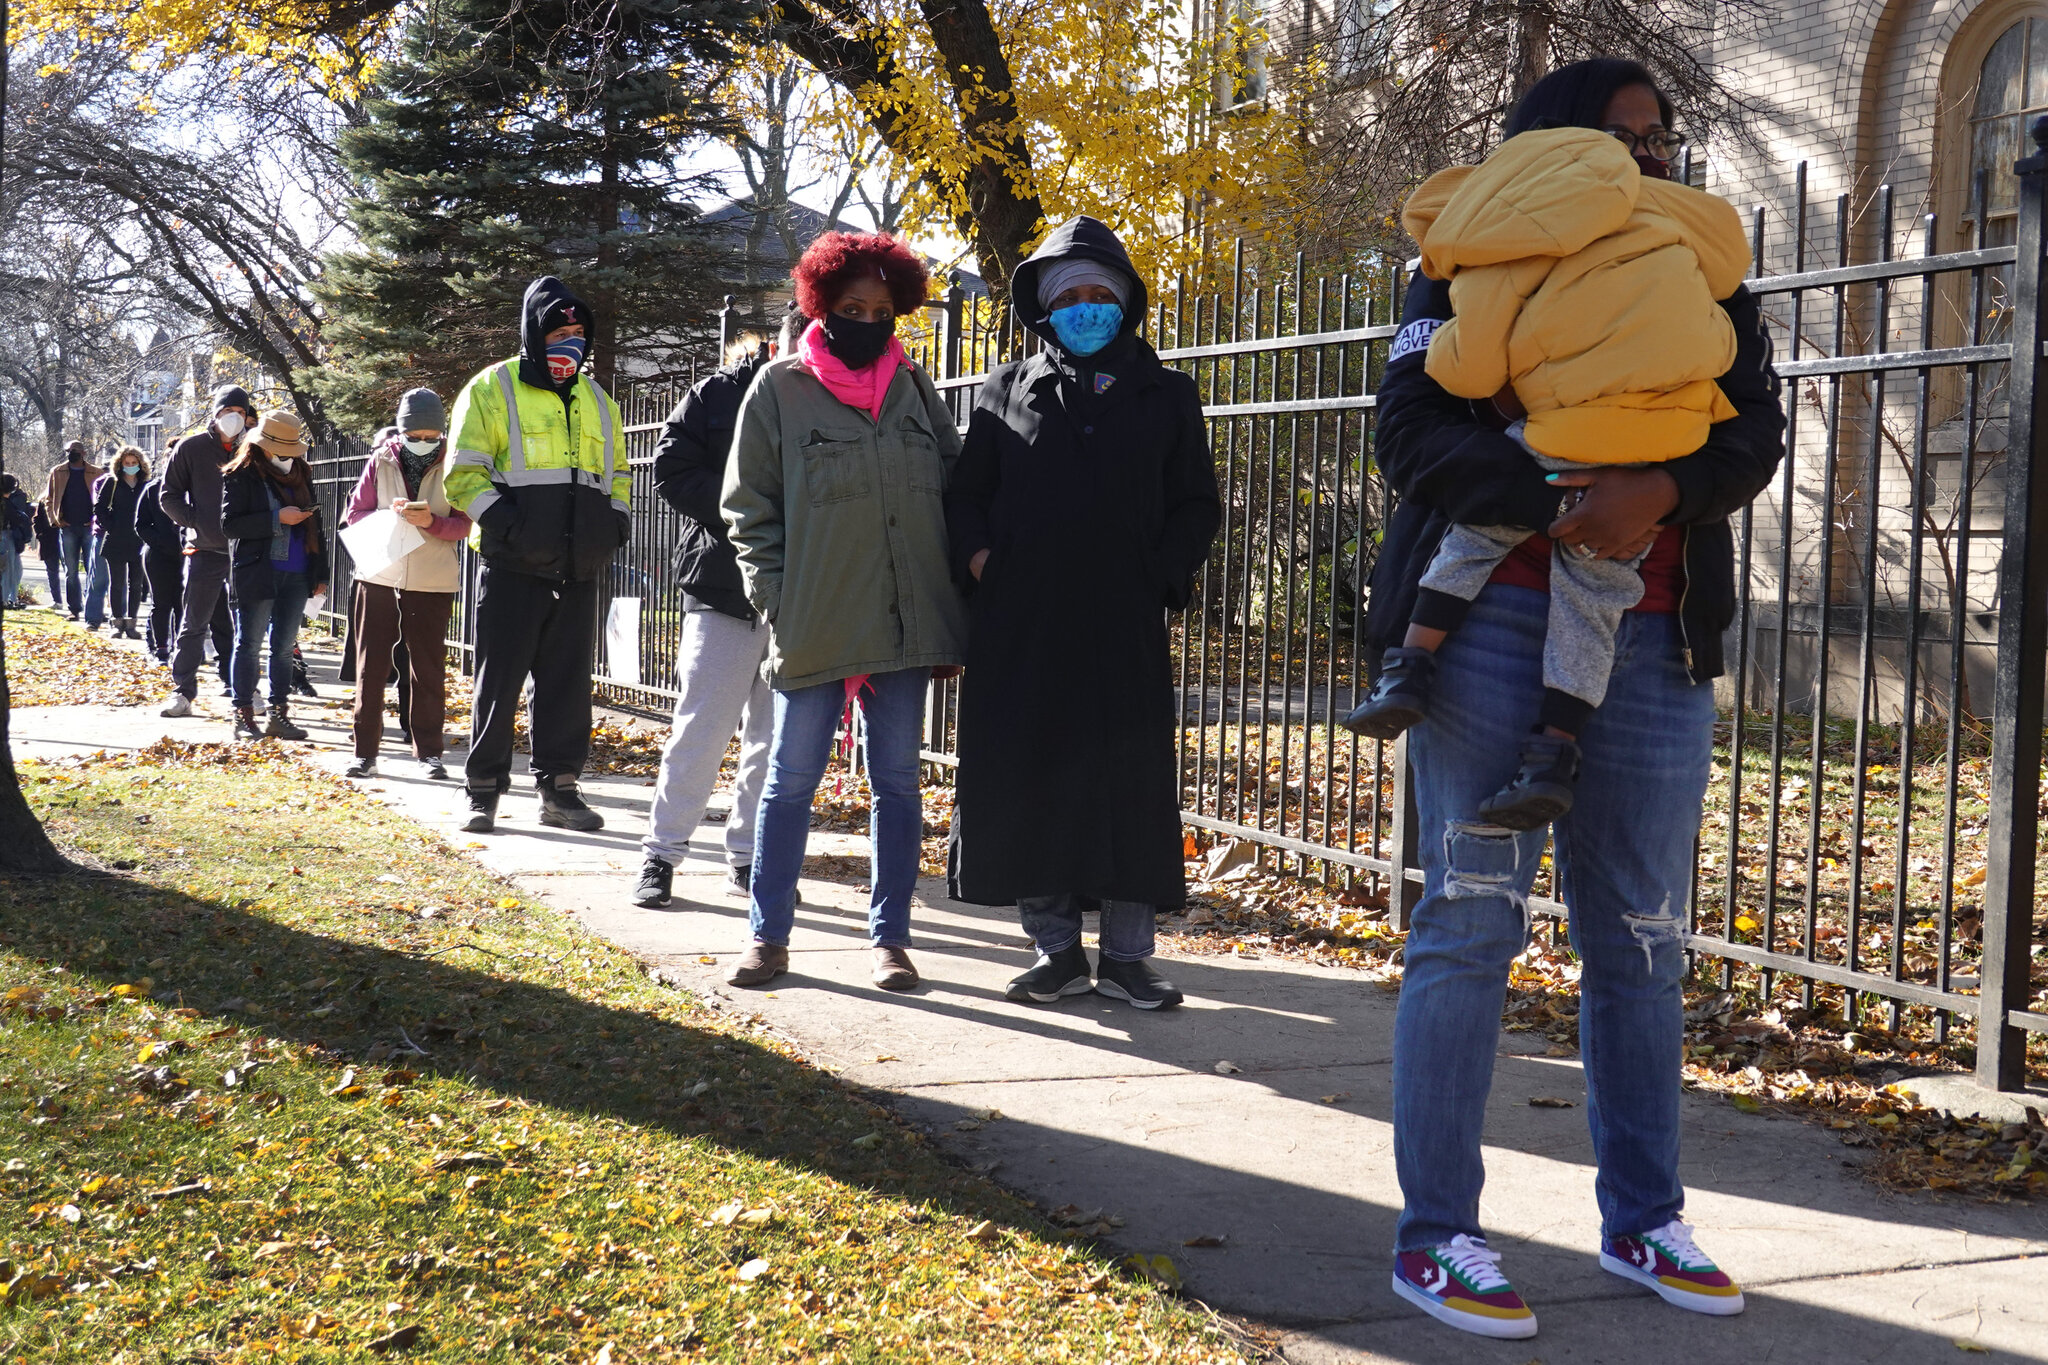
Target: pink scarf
{"x": 863, "y": 389}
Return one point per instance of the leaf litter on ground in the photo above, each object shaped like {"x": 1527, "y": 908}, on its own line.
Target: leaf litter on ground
{"x": 449, "y": 1154}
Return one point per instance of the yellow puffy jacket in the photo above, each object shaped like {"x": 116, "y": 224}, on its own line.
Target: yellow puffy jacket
{"x": 1590, "y": 287}
{"x": 546, "y": 483}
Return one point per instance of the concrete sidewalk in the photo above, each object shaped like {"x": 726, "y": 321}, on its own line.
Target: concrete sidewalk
{"x": 1285, "y": 1155}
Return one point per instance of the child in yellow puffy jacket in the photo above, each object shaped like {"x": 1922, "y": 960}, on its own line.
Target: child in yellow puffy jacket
{"x": 1592, "y": 292}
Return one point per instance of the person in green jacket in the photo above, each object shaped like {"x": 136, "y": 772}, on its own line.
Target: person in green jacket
{"x": 534, "y": 460}
{"x": 833, "y": 498}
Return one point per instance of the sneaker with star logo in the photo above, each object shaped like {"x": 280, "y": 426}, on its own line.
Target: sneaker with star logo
{"x": 1459, "y": 1283}
{"x": 1666, "y": 1260}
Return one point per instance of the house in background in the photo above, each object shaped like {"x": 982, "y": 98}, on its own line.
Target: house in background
{"x": 762, "y": 246}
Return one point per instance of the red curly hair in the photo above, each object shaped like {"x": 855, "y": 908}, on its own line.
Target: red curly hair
{"x": 837, "y": 259}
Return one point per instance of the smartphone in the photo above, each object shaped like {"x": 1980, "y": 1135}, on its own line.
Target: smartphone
{"x": 416, "y": 507}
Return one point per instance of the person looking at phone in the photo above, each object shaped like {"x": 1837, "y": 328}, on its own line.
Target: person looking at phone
{"x": 409, "y": 599}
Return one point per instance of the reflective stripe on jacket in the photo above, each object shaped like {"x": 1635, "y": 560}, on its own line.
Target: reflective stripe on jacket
{"x": 544, "y": 481}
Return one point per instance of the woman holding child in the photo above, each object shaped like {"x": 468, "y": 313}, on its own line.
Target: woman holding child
{"x": 1611, "y": 735}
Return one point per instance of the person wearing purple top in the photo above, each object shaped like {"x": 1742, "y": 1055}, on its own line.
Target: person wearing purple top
{"x": 278, "y": 559}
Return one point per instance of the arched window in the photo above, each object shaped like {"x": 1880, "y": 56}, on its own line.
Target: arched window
{"x": 2012, "y": 90}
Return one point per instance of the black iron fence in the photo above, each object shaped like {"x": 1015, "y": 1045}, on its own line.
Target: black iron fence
{"x": 1873, "y": 823}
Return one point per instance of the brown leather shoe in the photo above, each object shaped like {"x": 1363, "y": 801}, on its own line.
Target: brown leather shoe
{"x": 893, "y": 971}
{"x": 759, "y": 965}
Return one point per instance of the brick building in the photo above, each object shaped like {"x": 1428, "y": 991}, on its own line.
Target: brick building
{"x": 1930, "y": 98}
{"x": 1917, "y": 94}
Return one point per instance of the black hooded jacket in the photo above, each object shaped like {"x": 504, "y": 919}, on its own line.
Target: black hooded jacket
{"x": 1451, "y": 460}
{"x": 565, "y": 532}
{"x": 1089, "y": 482}
{"x": 544, "y": 296}
{"x": 689, "y": 473}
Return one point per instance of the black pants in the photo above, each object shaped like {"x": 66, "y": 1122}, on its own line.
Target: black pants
{"x": 203, "y": 611}
{"x": 124, "y": 574}
{"x": 166, "y": 591}
{"x": 528, "y": 625}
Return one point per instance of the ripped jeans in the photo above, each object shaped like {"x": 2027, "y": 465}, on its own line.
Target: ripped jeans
{"x": 1624, "y": 864}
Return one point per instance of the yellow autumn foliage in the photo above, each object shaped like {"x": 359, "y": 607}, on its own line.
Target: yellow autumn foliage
{"x": 1116, "y": 103}
{"x": 323, "y": 39}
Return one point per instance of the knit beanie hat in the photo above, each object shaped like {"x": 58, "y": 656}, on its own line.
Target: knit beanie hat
{"x": 233, "y": 396}
{"x": 421, "y": 410}
{"x": 1057, "y": 277}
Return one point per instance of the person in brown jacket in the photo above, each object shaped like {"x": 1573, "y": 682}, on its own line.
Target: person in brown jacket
{"x": 69, "y": 498}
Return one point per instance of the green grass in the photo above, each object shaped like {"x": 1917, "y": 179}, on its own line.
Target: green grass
{"x": 222, "y": 1146}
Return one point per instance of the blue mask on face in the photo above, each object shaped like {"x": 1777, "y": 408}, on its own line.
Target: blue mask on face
{"x": 565, "y": 357}
{"x": 1085, "y": 328}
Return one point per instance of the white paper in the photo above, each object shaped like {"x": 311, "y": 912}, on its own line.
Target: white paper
{"x": 315, "y": 604}
{"x": 380, "y": 540}
{"x": 622, "y": 641}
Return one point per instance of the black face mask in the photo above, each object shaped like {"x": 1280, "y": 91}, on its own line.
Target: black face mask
{"x": 855, "y": 344}
{"x": 1654, "y": 167}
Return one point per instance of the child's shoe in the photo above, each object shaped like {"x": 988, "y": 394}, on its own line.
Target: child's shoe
{"x": 1399, "y": 699}
{"x": 1541, "y": 791}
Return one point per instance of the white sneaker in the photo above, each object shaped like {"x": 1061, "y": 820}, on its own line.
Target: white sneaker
{"x": 178, "y": 705}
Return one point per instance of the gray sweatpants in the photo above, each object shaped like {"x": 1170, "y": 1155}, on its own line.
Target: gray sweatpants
{"x": 1587, "y": 596}
{"x": 718, "y": 672}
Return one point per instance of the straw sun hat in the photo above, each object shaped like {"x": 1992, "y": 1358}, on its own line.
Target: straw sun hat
{"x": 279, "y": 433}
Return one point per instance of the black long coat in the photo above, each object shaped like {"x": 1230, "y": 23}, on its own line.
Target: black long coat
{"x": 1097, "y": 510}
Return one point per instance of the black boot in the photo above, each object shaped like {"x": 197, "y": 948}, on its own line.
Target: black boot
{"x": 1063, "y": 973}
{"x": 1401, "y": 696}
{"x": 245, "y": 724}
{"x": 1541, "y": 790}
{"x": 483, "y": 811}
{"x": 562, "y": 806}
{"x": 280, "y": 725}
{"x": 654, "y": 888}
{"x": 1136, "y": 983}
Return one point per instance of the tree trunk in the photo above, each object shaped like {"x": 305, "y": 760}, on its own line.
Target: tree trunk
{"x": 604, "y": 328}
{"x": 24, "y": 847}
{"x": 1532, "y": 45}
{"x": 999, "y": 219}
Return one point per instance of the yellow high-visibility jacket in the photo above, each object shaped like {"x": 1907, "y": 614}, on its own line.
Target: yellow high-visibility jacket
{"x": 546, "y": 483}
{"x": 1591, "y": 288}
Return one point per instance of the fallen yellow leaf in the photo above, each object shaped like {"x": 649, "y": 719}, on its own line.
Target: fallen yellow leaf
{"x": 1158, "y": 1268}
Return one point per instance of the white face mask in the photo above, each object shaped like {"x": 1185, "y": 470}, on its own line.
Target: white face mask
{"x": 230, "y": 424}
{"x": 421, "y": 447}
{"x": 283, "y": 463}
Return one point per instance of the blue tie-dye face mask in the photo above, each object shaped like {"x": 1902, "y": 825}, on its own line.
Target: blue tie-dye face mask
{"x": 1085, "y": 328}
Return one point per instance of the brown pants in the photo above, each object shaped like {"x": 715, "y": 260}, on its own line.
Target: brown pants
{"x": 384, "y": 616}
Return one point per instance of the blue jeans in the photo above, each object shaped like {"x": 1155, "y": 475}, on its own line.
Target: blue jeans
{"x": 74, "y": 552}
{"x": 1624, "y": 865}
{"x": 276, "y": 617}
{"x": 1054, "y": 923}
{"x": 892, "y": 705}
{"x": 97, "y": 579}
{"x": 10, "y": 569}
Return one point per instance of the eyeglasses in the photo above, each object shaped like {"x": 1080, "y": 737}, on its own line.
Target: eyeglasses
{"x": 1661, "y": 143}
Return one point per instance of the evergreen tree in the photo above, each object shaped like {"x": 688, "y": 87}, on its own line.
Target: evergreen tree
{"x": 506, "y": 142}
